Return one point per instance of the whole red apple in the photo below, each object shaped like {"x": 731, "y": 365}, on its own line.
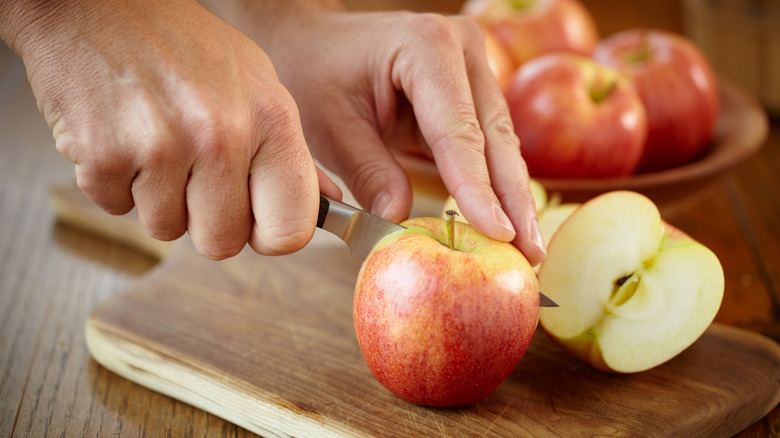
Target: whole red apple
{"x": 576, "y": 118}
{"x": 530, "y": 28}
{"x": 441, "y": 326}
{"x": 678, "y": 89}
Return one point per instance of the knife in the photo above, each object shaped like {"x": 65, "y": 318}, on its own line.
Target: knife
{"x": 361, "y": 230}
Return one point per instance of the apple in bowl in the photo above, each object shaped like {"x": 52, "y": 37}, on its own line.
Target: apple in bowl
{"x": 500, "y": 61}
{"x": 633, "y": 291}
{"x": 576, "y": 118}
{"x": 442, "y": 313}
{"x": 678, "y": 90}
{"x": 531, "y": 28}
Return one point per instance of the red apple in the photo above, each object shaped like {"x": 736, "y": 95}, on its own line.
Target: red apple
{"x": 678, "y": 89}
{"x": 576, "y": 118}
{"x": 500, "y": 61}
{"x": 530, "y": 28}
{"x": 441, "y": 326}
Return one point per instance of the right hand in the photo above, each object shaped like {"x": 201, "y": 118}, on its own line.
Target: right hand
{"x": 164, "y": 107}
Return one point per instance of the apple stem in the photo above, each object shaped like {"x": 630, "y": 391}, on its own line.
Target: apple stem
{"x": 451, "y": 228}
{"x": 642, "y": 53}
{"x": 520, "y": 5}
{"x": 600, "y": 94}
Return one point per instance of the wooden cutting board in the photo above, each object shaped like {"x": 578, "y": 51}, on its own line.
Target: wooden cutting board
{"x": 268, "y": 344}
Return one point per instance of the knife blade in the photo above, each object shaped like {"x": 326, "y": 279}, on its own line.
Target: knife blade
{"x": 361, "y": 230}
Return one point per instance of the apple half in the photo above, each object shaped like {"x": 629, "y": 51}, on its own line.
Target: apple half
{"x": 633, "y": 291}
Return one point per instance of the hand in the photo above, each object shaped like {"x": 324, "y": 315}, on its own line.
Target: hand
{"x": 164, "y": 107}
{"x": 367, "y": 83}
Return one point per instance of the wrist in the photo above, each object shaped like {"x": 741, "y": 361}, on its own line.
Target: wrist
{"x": 24, "y": 22}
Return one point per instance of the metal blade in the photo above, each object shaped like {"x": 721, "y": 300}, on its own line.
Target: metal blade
{"x": 545, "y": 301}
{"x": 359, "y": 229}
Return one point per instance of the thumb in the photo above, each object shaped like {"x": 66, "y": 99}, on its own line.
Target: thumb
{"x": 283, "y": 189}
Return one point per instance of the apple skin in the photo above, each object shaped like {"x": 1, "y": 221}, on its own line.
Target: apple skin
{"x": 633, "y": 290}
{"x": 500, "y": 61}
{"x": 550, "y": 212}
{"x": 440, "y": 327}
{"x": 576, "y": 118}
{"x": 532, "y": 28}
{"x": 678, "y": 90}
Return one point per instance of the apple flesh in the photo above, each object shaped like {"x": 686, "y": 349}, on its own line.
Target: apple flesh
{"x": 633, "y": 291}
{"x": 531, "y": 28}
{"x": 576, "y": 118}
{"x": 439, "y": 326}
{"x": 678, "y": 90}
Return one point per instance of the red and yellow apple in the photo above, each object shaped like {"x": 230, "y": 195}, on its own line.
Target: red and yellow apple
{"x": 441, "y": 326}
{"x": 576, "y": 118}
{"x": 530, "y": 28}
{"x": 500, "y": 61}
{"x": 678, "y": 90}
{"x": 633, "y": 291}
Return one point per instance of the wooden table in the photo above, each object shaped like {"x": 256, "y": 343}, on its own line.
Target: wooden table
{"x": 52, "y": 276}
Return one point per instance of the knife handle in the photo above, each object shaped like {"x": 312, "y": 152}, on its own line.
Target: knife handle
{"x": 334, "y": 216}
{"x": 324, "y": 207}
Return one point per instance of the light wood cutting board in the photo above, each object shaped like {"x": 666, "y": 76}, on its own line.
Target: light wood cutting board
{"x": 268, "y": 344}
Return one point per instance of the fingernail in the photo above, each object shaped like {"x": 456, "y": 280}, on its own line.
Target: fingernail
{"x": 382, "y": 204}
{"x": 503, "y": 219}
{"x": 536, "y": 236}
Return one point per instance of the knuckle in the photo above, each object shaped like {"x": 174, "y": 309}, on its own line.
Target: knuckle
{"x": 364, "y": 175}
{"x": 470, "y": 27}
{"x": 437, "y": 29}
{"x": 281, "y": 129}
{"x": 284, "y": 237}
{"x": 157, "y": 147}
{"x": 95, "y": 189}
{"x": 164, "y": 224}
{"x": 278, "y": 108}
{"x": 465, "y": 134}
{"x": 218, "y": 138}
{"x": 218, "y": 251}
{"x": 500, "y": 125}
{"x": 103, "y": 182}
{"x": 166, "y": 231}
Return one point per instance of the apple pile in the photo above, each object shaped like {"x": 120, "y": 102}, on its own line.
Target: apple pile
{"x": 442, "y": 313}
{"x": 640, "y": 100}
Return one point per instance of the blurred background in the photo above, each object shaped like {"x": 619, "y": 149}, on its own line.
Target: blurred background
{"x": 740, "y": 37}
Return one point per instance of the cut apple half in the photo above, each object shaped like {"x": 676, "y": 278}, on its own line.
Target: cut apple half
{"x": 633, "y": 291}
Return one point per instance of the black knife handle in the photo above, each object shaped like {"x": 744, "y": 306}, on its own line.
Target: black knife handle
{"x": 324, "y": 207}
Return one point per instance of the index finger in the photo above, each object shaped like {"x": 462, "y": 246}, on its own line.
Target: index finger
{"x": 435, "y": 79}
{"x": 507, "y": 169}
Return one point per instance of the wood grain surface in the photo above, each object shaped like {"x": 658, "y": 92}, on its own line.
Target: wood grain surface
{"x": 53, "y": 276}
{"x": 267, "y": 343}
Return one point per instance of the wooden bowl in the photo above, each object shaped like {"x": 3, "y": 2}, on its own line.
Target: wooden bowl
{"x": 741, "y": 131}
